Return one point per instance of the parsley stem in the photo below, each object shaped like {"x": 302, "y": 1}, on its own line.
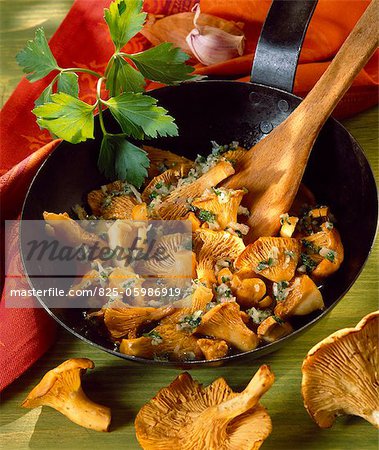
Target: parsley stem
{"x": 83, "y": 70}
{"x": 100, "y": 104}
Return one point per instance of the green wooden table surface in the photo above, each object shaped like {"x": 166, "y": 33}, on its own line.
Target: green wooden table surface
{"x": 126, "y": 387}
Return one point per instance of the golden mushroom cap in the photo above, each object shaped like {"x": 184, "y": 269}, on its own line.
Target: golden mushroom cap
{"x": 175, "y": 205}
{"x": 212, "y": 246}
{"x": 163, "y": 158}
{"x": 326, "y": 249}
{"x": 122, "y": 320}
{"x": 170, "y": 259}
{"x": 168, "y": 339}
{"x": 340, "y": 374}
{"x": 96, "y": 197}
{"x": 169, "y": 177}
{"x": 186, "y": 416}
{"x": 117, "y": 206}
{"x": 224, "y": 321}
{"x": 225, "y": 206}
{"x": 68, "y": 230}
{"x": 275, "y": 258}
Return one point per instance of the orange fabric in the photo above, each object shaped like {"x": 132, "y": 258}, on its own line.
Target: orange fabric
{"x": 331, "y": 23}
{"x": 26, "y": 333}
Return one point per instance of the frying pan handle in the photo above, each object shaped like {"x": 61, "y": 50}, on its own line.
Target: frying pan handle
{"x": 280, "y": 43}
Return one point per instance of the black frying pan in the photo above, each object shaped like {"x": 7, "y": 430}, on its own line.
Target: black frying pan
{"x": 224, "y": 111}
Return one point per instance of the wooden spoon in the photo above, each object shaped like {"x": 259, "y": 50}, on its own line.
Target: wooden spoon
{"x": 272, "y": 170}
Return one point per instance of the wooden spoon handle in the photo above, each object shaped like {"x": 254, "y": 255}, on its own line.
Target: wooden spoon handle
{"x": 351, "y": 58}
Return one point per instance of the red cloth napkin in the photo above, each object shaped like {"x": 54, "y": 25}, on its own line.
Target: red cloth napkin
{"x": 82, "y": 39}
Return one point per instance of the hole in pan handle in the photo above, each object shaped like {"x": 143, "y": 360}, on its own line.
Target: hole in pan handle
{"x": 280, "y": 43}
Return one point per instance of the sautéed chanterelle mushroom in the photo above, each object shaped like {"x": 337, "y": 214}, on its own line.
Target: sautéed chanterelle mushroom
{"x": 242, "y": 296}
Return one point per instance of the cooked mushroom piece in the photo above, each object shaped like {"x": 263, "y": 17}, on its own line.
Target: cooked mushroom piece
{"x": 170, "y": 259}
{"x": 172, "y": 338}
{"x": 61, "y": 389}
{"x": 340, "y": 374}
{"x": 235, "y": 156}
{"x": 113, "y": 201}
{"x": 128, "y": 235}
{"x": 326, "y": 249}
{"x": 273, "y": 328}
{"x": 224, "y": 322}
{"x": 288, "y": 225}
{"x": 213, "y": 348}
{"x": 273, "y": 257}
{"x": 139, "y": 212}
{"x": 248, "y": 291}
{"x": 187, "y": 416}
{"x": 175, "y": 205}
{"x": 162, "y": 184}
{"x": 96, "y": 198}
{"x": 215, "y": 246}
{"x": 161, "y": 160}
{"x": 298, "y": 298}
{"x": 125, "y": 321}
{"x": 200, "y": 297}
{"x": 223, "y": 203}
{"x": 68, "y": 230}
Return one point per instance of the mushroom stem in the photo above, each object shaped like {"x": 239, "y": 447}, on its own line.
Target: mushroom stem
{"x": 84, "y": 412}
{"x": 260, "y": 383}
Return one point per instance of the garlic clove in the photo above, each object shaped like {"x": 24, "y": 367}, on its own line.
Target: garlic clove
{"x": 211, "y": 45}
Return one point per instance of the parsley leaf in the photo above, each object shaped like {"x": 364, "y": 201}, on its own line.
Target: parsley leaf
{"x": 45, "y": 96}
{"x": 125, "y": 20}
{"x": 139, "y": 116}
{"x": 36, "y": 58}
{"x": 68, "y": 83}
{"x": 164, "y": 63}
{"x": 122, "y": 77}
{"x": 67, "y": 117}
{"x": 121, "y": 160}
{"x": 207, "y": 216}
{"x": 262, "y": 265}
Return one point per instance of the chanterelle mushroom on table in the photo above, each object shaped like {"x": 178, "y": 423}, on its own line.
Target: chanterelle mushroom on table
{"x": 61, "y": 389}
{"x": 340, "y": 374}
{"x": 187, "y": 416}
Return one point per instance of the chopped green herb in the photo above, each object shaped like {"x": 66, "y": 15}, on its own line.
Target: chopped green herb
{"x": 309, "y": 263}
{"x": 280, "y": 290}
{"x": 107, "y": 201}
{"x": 289, "y": 253}
{"x": 285, "y": 218}
{"x": 155, "y": 337}
{"x": 225, "y": 279}
{"x": 310, "y": 246}
{"x": 153, "y": 195}
{"x": 262, "y": 265}
{"x": 207, "y": 216}
{"x": 104, "y": 275}
{"x": 328, "y": 254}
{"x": 191, "y": 321}
{"x": 258, "y": 315}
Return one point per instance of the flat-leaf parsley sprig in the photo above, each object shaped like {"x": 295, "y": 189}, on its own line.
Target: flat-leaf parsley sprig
{"x": 59, "y": 110}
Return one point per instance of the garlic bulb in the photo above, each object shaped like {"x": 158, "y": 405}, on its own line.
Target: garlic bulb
{"x": 212, "y": 45}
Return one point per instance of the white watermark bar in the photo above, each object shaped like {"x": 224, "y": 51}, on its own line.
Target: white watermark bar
{"x": 91, "y": 263}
